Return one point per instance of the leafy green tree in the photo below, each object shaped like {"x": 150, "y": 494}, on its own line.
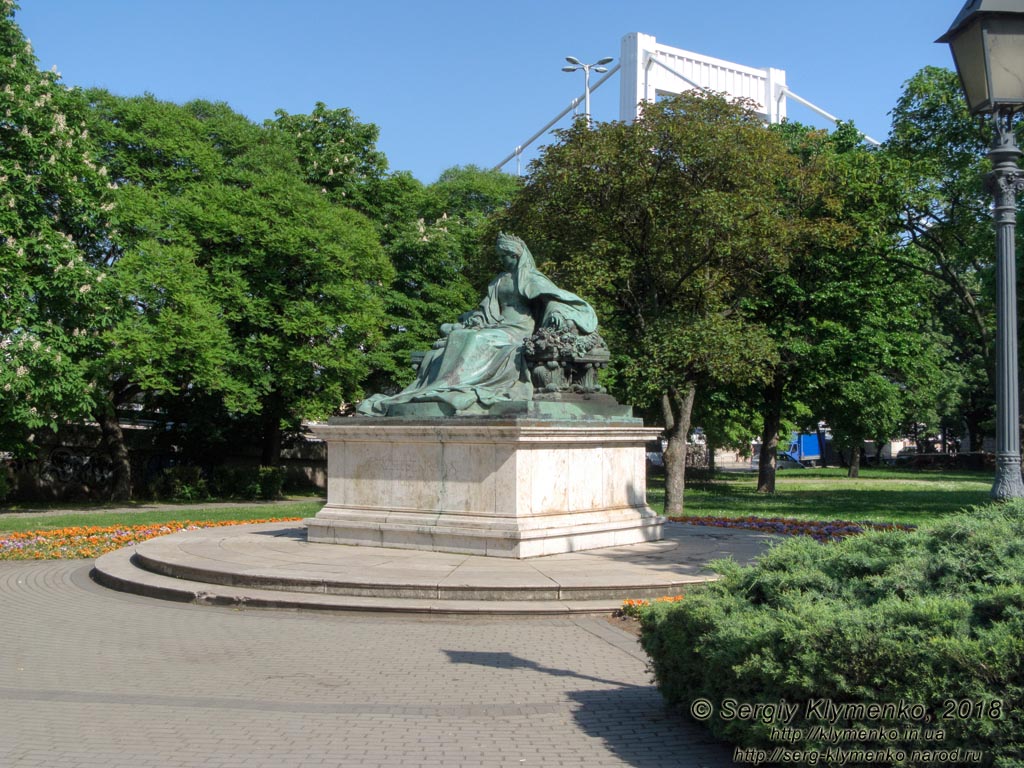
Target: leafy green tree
{"x": 728, "y": 418}
{"x": 855, "y": 338}
{"x": 166, "y": 335}
{"x": 431, "y": 234}
{"x": 948, "y": 226}
{"x": 666, "y": 225}
{"x": 886, "y": 366}
{"x": 257, "y": 295}
{"x": 337, "y": 154}
{"x": 304, "y": 292}
{"x": 53, "y": 207}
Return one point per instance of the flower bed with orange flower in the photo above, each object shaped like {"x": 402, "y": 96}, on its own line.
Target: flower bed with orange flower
{"x": 634, "y": 607}
{"x": 93, "y": 541}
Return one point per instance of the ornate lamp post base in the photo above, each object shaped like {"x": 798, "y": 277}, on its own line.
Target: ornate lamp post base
{"x": 1008, "y": 484}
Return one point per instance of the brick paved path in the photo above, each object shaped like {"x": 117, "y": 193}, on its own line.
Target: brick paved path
{"x": 92, "y": 677}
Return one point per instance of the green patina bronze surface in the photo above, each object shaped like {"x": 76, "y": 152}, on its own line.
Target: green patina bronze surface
{"x": 529, "y": 349}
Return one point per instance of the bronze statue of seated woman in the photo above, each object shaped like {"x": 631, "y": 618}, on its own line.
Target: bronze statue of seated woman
{"x": 525, "y": 332}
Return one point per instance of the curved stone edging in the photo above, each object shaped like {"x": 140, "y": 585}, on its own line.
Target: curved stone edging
{"x": 271, "y": 565}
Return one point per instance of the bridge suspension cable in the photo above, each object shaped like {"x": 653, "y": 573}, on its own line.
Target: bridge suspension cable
{"x": 572, "y": 105}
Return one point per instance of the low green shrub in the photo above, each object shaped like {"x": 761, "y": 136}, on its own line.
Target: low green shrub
{"x": 247, "y": 482}
{"x": 235, "y": 482}
{"x": 271, "y": 481}
{"x": 181, "y": 483}
{"x": 932, "y": 619}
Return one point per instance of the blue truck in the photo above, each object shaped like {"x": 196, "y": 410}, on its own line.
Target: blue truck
{"x": 805, "y": 450}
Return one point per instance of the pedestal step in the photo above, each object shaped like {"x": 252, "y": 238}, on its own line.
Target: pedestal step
{"x": 273, "y": 566}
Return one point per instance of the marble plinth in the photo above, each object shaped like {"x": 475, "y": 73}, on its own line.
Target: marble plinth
{"x": 502, "y": 487}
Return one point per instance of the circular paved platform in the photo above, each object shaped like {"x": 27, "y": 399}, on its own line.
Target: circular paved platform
{"x": 272, "y": 565}
{"x": 101, "y": 679}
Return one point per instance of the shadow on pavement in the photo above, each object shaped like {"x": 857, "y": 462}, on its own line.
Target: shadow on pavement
{"x": 503, "y": 660}
{"x": 631, "y": 720}
{"x": 637, "y": 727}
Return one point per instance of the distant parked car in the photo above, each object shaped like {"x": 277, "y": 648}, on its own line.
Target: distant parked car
{"x": 782, "y": 461}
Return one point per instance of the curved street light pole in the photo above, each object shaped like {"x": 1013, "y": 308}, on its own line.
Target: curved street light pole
{"x": 597, "y": 66}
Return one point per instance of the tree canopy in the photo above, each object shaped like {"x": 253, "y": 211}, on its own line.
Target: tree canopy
{"x": 857, "y": 346}
{"x": 54, "y": 206}
{"x": 949, "y": 231}
{"x": 267, "y": 293}
{"x": 666, "y": 224}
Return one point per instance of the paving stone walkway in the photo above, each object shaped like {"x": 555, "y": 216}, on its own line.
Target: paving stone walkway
{"x": 93, "y": 677}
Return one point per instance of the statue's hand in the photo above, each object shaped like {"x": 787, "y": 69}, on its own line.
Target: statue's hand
{"x": 556, "y": 321}
{"x": 473, "y": 321}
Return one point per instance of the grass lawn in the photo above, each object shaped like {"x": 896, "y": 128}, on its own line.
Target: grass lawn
{"x": 878, "y": 495}
{"x": 13, "y": 522}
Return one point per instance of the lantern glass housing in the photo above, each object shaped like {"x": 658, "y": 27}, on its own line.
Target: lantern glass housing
{"x": 987, "y": 42}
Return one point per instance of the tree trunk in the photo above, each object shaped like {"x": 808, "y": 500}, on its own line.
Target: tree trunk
{"x": 771, "y": 412}
{"x": 855, "y": 452}
{"x": 273, "y": 411}
{"x": 880, "y": 444}
{"x": 966, "y": 438}
{"x": 821, "y": 447}
{"x": 676, "y": 408}
{"x": 116, "y": 450}
{"x": 975, "y": 434}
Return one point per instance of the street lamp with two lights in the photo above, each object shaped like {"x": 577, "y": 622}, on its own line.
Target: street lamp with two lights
{"x": 597, "y": 66}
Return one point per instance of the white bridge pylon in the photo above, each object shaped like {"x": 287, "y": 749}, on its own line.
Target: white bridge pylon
{"x": 650, "y": 69}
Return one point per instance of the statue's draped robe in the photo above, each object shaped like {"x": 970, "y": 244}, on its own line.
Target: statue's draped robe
{"x": 552, "y": 299}
{"x": 477, "y": 367}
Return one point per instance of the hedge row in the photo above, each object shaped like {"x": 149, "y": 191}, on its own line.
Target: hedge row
{"x": 932, "y": 619}
{"x": 189, "y": 483}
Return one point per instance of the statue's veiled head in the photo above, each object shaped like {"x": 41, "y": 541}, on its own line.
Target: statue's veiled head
{"x": 510, "y": 248}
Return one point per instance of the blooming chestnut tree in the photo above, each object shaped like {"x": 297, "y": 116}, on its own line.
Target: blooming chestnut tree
{"x": 53, "y": 200}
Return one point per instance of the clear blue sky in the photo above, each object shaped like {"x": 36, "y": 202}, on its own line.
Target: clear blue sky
{"x": 454, "y": 82}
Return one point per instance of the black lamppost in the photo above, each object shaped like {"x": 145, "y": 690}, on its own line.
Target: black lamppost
{"x": 987, "y": 41}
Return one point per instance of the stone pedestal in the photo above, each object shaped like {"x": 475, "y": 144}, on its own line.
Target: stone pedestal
{"x": 490, "y": 486}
